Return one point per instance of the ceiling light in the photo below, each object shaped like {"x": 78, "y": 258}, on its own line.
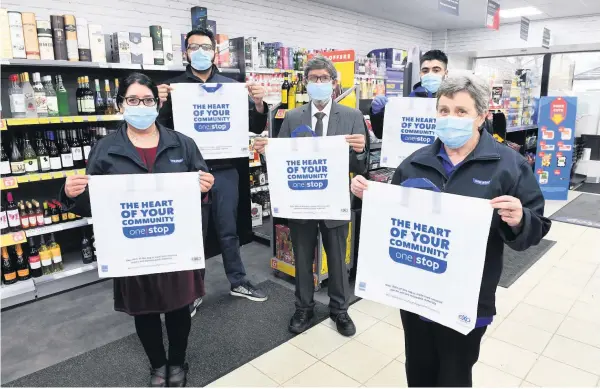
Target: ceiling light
{"x": 518, "y": 12}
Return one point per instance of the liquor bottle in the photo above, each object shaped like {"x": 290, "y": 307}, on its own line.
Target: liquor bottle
{"x": 12, "y": 211}
{"x": 9, "y": 273}
{"x": 292, "y": 94}
{"x": 54, "y": 154}
{"x": 94, "y": 248}
{"x": 77, "y": 151}
{"x": 99, "y": 104}
{"x": 45, "y": 257}
{"x": 21, "y": 264}
{"x": 30, "y": 157}
{"x": 116, "y": 90}
{"x": 88, "y": 97}
{"x": 31, "y": 215}
{"x": 32, "y": 47}
{"x": 16, "y": 97}
{"x": 47, "y": 215}
{"x": 34, "y": 259}
{"x": 87, "y": 252}
{"x": 299, "y": 92}
{"x": 23, "y": 216}
{"x": 44, "y": 34}
{"x": 3, "y": 221}
{"x": 51, "y": 98}
{"x": 62, "y": 210}
{"x": 39, "y": 214}
{"x": 83, "y": 40}
{"x": 62, "y": 97}
{"x": 78, "y": 95}
{"x": 28, "y": 92}
{"x": 57, "y": 22}
{"x": 71, "y": 38}
{"x": 41, "y": 105}
{"x": 111, "y": 108}
{"x": 157, "y": 44}
{"x": 55, "y": 214}
{"x": 285, "y": 90}
{"x": 17, "y": 162}
{"x": 5, "y": 45}
{"x": 4, "y": 163}
{"x": 66, "y": 156}
{"x": 16, "y": 34}
{"x": 86, "y": 144}
{"x": 305, "y": 97}
{"x": 56, "y": 254}
{"x": 42, "y": 155}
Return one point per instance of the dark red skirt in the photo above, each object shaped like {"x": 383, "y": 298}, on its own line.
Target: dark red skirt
{"x": 157, "y": 293}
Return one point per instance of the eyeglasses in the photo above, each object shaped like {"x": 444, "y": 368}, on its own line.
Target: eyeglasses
{"x": 135, "y": 101}
{"x": 319, "y": 78}
{"x": 205, "y": 47}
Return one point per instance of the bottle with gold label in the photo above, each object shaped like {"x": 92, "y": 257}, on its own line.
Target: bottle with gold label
{"x": 21, "y": 264}
{"x": 71, "y": 38}
{"x": 292, "y": 94}
{"x": 32, "y": 47}
{"x": 45, "y": 257}
{"x": 285, "y": 90}
{"x": 9, "y": 273}
{"x": 56, "y": 254}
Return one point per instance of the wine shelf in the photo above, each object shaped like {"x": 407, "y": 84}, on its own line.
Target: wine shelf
{"x": 58, "y": 227}
{"x": 12, "y": 238}
{"x": 13, "y": 182}
{"x": 63, "y": 119}
{"x": 261, "y": 188}
{"x": 16, "y": 289}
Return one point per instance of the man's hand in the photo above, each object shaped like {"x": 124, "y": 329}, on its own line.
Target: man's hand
{"x": 357, "y": 142}
{"x": 163, "y": 92}
{"x": 75, "y": 185}
{"x": 259, "y": 144}
{"x": 257, "y": 92}
{"x": 378, "y": 104}
{"x": 509, "y": 208}
{"x": 358, "y": 186}
{"x": 206, "y": 181}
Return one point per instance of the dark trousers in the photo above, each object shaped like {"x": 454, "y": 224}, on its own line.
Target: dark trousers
{"x": 437, "y": 356}
{"x": 149, "y": 330}
{"x": 304, "y": 242}
{"x": 224, "y": 214}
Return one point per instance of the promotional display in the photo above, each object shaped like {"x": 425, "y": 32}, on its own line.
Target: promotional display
{"x": 492, "y": 20}
{"x": 309, "y": 178}
{"x": 409, "y": 124}
{"x": 554, "y": 157}
{"x": 147, "y": 223}
{"x": 424, "y": 252}
{"x": 215, "y": 116}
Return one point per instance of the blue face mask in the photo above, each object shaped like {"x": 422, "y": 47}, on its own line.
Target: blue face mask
{"x": 201, "y": 61}
{"x": 454, "y": 131}
{"x": 320, "y": 91}
{"x": 431, "y": 82}
{"x": 140, "y": 118}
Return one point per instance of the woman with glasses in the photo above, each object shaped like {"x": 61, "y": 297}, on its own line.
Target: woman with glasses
{"x": 143, "y": 146}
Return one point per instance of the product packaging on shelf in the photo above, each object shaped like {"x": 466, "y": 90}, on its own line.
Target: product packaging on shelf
{"x": 97, "y": 44}
{"x": 135, "y": 46}
{"x": 121, "y": 52}
{"x": 32, "y": 47}
{"x": 157, "y": 44}
{"x": 223, "y": 50}
{"x": 71, "y": 38}
{"x": 256, "y": 211}
{"x": 177, "y": 55}
{"x": 16, "y": 34}
{"x": 199, "y": 17}
{"x": 168, "y": 46}
{"x": 44, "y": 32}
{"x": 83, "y": 40}
{"x": 211, "y": 25}
{"x": 284, "y": 250}
{"x": 57, "y": 23}
{"x": 6, "y": 48}
{"x": 147, "y": 49}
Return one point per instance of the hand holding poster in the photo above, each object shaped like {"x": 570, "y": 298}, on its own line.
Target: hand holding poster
{"x": 147, "y": 223}
{"x": 215, "y": 116}
{"x": 409, "y": 124}
{"x": 426, "y": 259}
{"x": 309, "y": 177}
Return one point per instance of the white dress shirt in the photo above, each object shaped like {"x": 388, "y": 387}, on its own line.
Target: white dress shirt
{"x": 326, "y": 111}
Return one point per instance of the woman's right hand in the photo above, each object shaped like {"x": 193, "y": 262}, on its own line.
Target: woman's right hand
{"x": 163, "y": 92}
{"x": 259, "y": 144}
{"x": 75, "y": 185}
{"x": 358, "y": 186}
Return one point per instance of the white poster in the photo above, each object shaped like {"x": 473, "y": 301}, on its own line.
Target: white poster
{"x": 215, "y": 116}
{"x": 147, "y": 223}
{"x": 423, "y": 251}
{"x": 309, "y": 177}
{"x": 408, "y": 125}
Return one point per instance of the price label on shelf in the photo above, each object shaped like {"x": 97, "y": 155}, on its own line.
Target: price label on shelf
{"x": 22, "y": 179}
{"x": 58, "y": 175}
{"x": 34, "y": 177}
{"x": 18, "y": 236}
{"x": 92, "y": 118}
{"x": 2, "y": 125}
{"x": 9, "y": 183}
{"x": 55, "y": 120}
{"x": 46, "y": 176}
{"x": 78, "y": 119}
{"x": 70, "y": 173}
{"x": 44, "y": 120}
{"x": 67, "y": 119}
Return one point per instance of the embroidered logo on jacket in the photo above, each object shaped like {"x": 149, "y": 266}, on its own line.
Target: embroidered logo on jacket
{"x": 481, "y": 182}
{"x": 176, "y": 160}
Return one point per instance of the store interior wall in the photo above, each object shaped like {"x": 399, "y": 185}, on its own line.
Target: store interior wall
{"x": 299, "y": 23}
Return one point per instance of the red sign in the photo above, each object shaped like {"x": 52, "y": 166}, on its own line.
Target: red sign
{"x": 336, "y": 56}
{"x": 557, "y": 172}
{"x": 558, "y": 110}
{"x": 558, "y": 155}
{"x": 493, "y": 15}
{"x": 541, "y": 155}
{"x": 539, "y": 171}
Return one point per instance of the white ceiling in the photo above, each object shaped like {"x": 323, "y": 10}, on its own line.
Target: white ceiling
{"x": 425, "y": 14}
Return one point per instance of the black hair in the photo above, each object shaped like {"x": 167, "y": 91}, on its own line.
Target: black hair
{"x": 202, "y": 32}
{"x": 438, "y": 55}
{"x": 135, "y": 78}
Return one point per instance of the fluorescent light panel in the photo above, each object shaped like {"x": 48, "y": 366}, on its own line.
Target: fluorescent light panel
{"x": 518, "y": 12}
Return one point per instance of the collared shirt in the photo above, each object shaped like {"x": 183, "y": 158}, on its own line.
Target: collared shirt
{"x": 326, "y": 111}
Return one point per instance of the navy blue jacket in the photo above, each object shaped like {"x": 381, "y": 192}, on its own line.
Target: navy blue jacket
{"x": 491, "y": 170}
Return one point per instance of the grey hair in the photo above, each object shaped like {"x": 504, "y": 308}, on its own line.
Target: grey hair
{"x": 473, "y": 85}
{"x": 320, "y": 62}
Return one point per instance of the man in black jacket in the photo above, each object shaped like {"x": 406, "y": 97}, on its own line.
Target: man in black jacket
{"x": 200, "y": 48}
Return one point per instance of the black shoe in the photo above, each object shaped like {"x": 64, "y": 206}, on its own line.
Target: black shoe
{"x": 158, "y": 377}
{"x": 344, "y": 324}
{"x": 300, "y": 321}
{"x": 248, "y": 291}
{"x": 194, "y": 306}
{"x": 178, "y": 376}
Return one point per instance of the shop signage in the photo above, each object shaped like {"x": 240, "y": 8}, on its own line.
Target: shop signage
{"x": 556, "y": 135}
{"x": 449, "y": 6}
{"x": 493, "y": 15}
{"x": 525, "y": 28}
{"x": 546, "y": 38}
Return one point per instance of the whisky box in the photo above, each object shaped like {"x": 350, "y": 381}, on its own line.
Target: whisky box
{"x": 254, "y": 54}
{"x": 83, "y": 40}
{"x": 32, "y": 46}
{"x": 184, "y": 58}
{"x": 121, "y": 51}
{"x": 17, "y": 40}
{"x": 135, "y": 47}
{"x": 147, "y": 49}
{"x": 157, "y": 44}
{"x": 168, "y": 46}
{"x": 211, "y": 25}
{"x": 97, "y": 45}
{"x": 44, "y": 33}
{"x": 6, "y": 48}
{"x": 199, "y": 17}
{"x": 71, "y": 38}
{"x": 177, "y": 55}
{"x": 223, "y": 50}
{"x": 108, "y": 48}
{"x": 57, "y": 22}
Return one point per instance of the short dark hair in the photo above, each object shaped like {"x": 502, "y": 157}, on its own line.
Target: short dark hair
{"x": 202, "y": 32}
{"x": 135, "y": 78}
{"x": 438, "y": 55}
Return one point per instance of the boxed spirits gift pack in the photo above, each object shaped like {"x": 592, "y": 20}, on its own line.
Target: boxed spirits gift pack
{"x": 32, "y": 47}
{"x": 83, "y": 40}
{"x": 16, "y": 35}
{"x": 168, "y": 46}
{"x": 199, "y": 17}
{"x": 157, "y": 43}
{"x": 147, "y": 49}
{"x": 121, "y": 51}
{"x": 44, "y": 32}
{"x": 97, "y": 44}
{"x": 135, "y": 46}
{"x": 71, "y": 38}
{"x": 57, "y": 22}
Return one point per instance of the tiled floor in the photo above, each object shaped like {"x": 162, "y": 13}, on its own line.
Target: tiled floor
{"x": 547, "y": 332}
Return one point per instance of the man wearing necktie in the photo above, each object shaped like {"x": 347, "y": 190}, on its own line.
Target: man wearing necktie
{"x": 326, "y": 118}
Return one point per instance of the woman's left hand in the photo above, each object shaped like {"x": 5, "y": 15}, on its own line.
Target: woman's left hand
{"x": 206, "y": 181}
{"x": 509, "y": 208}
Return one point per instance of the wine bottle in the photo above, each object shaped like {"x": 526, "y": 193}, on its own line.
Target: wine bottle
{"x": 39, "y": 214}
{"x": 23, "y": 216}
{"x": 31, "y": 215}
{"x": 87, "y": 252}
{"x": 99, "y": 103}
{"x": 77, "y": 151}
{"x": 47, "y": 215}
{"x": 30, "y": 157}
{"x": 45, "y": 257}
{"x": 34, "y": 259}
{"x": 111, "y": 108}
{"x": 21, "y": 264}
{"x": 57, "y": 23}
{"x": 55, "y": 158}
{"x": 3, "y": 220}
{"x": 32, "y": 46}
{"x": 78, "y": 95}
{"x": 86, "y": 144}
{"x": 56, "y": 254}
{"x": 88, "y": 96}
{"x": 17, "y": 162}
{"x": 9, "y": 273}
{"x": 4, "y": 163}
{"x": 12, "y": 211}
{"x": 43, "y": 156}
{"x": 66, "y": 156}
{"x": 44, "y": 33}
{"x": 63, "y": 97}
{"x": 71, "y": 38}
